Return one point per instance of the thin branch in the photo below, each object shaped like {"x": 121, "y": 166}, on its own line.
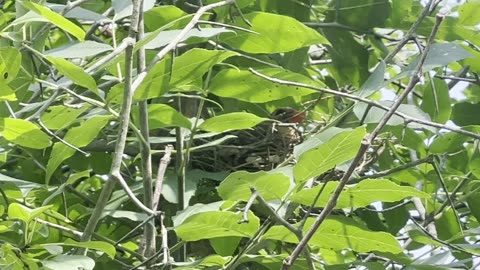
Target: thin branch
{"x": 59, "y": 227}
{"x": 162, "y": 167}
{"x": 60, "y": 139}
{"x": 396, "y": 169}
{"x": 366, "y": 142}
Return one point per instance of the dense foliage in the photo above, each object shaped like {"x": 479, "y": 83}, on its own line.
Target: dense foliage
{"x": 141, "y": 136}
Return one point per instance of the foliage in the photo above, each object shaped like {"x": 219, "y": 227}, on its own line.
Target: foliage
{"x": 111, "y": 112}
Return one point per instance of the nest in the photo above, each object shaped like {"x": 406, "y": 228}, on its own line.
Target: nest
{"x": 260, "y": 148}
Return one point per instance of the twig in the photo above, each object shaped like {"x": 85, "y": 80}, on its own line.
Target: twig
{"x": 366, "y": 142}
{"x": 61, "y": 140}
{"x": 162, "y": 167}
{"x": 59, "y": 227}
{"x": 249, "y": 204}
{"x": 396, "y": 169}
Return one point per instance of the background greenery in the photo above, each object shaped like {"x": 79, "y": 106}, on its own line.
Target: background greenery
{"x": 108, "y": 104}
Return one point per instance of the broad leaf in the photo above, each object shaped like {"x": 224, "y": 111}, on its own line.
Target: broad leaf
{"x": 275, "y": 34}
{"x": 56, "y": 19}
{"x": 25, "y": 133}
{"x": 359, "y": 14}
{"x": 155, "y": 83}
{"x": 440, "y": 54}
{"x": 96, "y": 245}
{"x": 58, "y": 117}
{"x": 436, "y": 101}
{"x": 79, "y": 136}
{"x": 79, "y": 49}
{"x": 271, "y": 186}
{"x": 69, "y": 262}
{"x": 25, "y": 214}
{"x": 231, "y": 121}
{"x": 340, "y": 233}
{"x": 339, "y": 149}
{"x": 465, "y": 114}
{"x": 165, "y": 37}
{"x": 189, "y": 67}
{"x": 215, "y": 224}
{"x": 362, "y": 194}
{"x": 161, "y": 115}
{"x": 10, "y": 60}
{"x": 74, "y": 73}
{"x": 245, "y": 86}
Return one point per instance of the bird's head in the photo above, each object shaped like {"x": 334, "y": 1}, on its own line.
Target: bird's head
{"x": 288, "y": 115}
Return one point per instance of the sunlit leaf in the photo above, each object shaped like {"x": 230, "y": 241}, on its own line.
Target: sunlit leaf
{"x": 271, "y": 186}
{"x": 215, "y": 224}
{"x": 339, "y": 149}
{"x": 231, "y": 121}
{"x": 25, "y": 133}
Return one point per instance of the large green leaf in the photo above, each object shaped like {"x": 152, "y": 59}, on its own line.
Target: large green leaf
{"x": 69, "y": 262}
{"x": 58, "y": 117}
{"x": 231, "y": 121}
{"x": 339, "y": 149}
{"x": 339, "y": 233}
{"x": 359, "y": 14}
{"x": 271, "y": 186}
{"x": 156, "y": 82}
{"x": 25, "y": 214}
{"x": 273, "y": 34}
{"x": 216, "y": 224}
{"x": 161, "y": 115}
{"x": 56, "y": 19}
{"x": 468, "y": 13}
{"x": 108, "y": 248}
{"x": 362, "y": 194}
{"x": 79, "y": 49}
{"x": 74, "y": 73}
{"x": 465, "y": 114}
{"x": 10, "y": 60}
{"x": 349, "y": 58}
{"x": 245, "y": 86}
{"x": 162, "y": 15}
{"x": 25, "y": 133}
{"x": 79, "y": 136}
{"x": 436, "y": 101}
{"x": 190, "y": 66}
{"x": 440, "y": 54}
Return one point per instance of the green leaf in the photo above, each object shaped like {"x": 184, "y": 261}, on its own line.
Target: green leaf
{"x": 339, "y": 149}
{"x": 108, "y": 248}
{"x": 56, "y": 19}
{"x": 271, "y": 186}
{"x": 79, "y": 49}
{"x": 156, "y": 82}
{"x": 25, "y": 214}
{"x": 231, "y": 121}
{"x": 359, "y": 14}
{"x": 436, "y": 101}
{"x": 215, "y": 224}
{"x": 10, "y": 60}
{"x": 69, "y": 262}
{"x": 193, "y": 36}
{"x": 468, "y": 13}
{"x": 447, "y": 143}
{"x": 349, "y": 58}
{"x": 161, "y": 115}
{"x": 440, "y": 54}
{"x": 362, "y": 194}
{"x": 245, "y": 86}
{"x": 465, "y": 114}
{"x": 58, "y": 117}
{"x": 162, "y": 15}
{"x": 275, "y": 34}
{"x": 339, "y": 233}
{"x": 374, "y": 82}
{"x": 74, "y": 73}
{"x": 25, "y": 133}
{"x": 180, "y": 217}
{"x": 225, "y": 246}
{"x": 190, "y": 66}
{"x": 79, "y": 136}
